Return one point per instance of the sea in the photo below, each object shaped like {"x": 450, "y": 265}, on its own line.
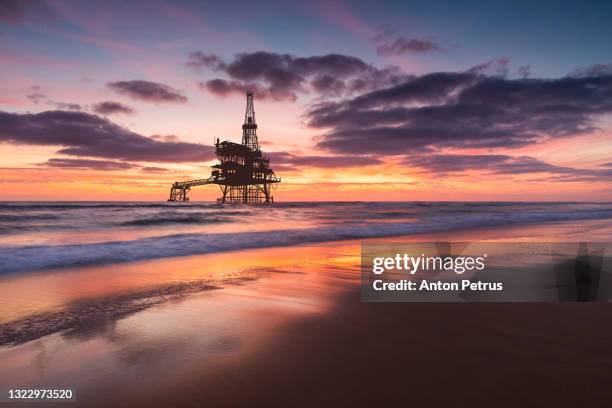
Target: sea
{"x": 42, "y": 235}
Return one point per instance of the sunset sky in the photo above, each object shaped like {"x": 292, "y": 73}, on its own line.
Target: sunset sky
{"x": 496, "y": 101}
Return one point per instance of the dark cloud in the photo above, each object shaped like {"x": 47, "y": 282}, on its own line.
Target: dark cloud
{"x": 22, "y": 11}
{"x": 199, "y": 60}
{"x": 334, "y": 161}
{"x": 83, "y": 134}
{"x": 222, "y": 88}
{"x": 66, "y": 106}
{"x": 295, "y": 161}
{"x": 37, "y": 97}
{"x": 391, "y": 43}
{"x": 441, "y": 164}
{"x": 524, "y": 71}
{"x": 402, "y": 45}
{"x": 436, "y": 87}
{"x": 596, "y": 70}
{"x": 102, "y": 165}
{"x": 88, "y": 164}
{"x": 461, "y": 110}
{"x": 283, "y": 76}
{"x": 111, "y": 107}
{"x": 147, "y": 91}
{"x": 153, "y": 169}
{"x": 499, "y": 67}
{"x": 327, "y": 84}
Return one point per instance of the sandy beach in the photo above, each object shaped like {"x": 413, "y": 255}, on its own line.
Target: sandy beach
{"x": 286, "y": 327}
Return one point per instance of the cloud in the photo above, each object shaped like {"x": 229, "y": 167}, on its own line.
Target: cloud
{"x": 222, "y": 88}
{"x": 442, "y": 164}
{"x": 390, "y": 43}
{"x": 499, "y": 67}
{"x": 153, "y": 169}
{"x": 88, "y": 164}
{"x": 461, "y": 110}
{"x": 83, "y": 134}
{"x": 199, "y": 60}
{"x": 100, "y": 165}
{"x": 22, "y": 11}
{"x": 403, "y": 45}
{"x": 284, "y": 76}
{"x": 66, "y": 106}
{"x": 327, "y": 84}
{"x": 147, "y": 91}
{"x": 294, "y": 161}
{"x": 111, "y": 107}
{"x": 524, "y": 71}
{"x": 37, "y": 97}
{"x": 596, "y": 70}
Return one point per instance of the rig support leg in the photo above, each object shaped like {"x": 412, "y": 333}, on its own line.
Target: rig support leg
{"x": 179, "y": 193}
{"x": 224, "y": 191}
{"x": 266, "y": 193}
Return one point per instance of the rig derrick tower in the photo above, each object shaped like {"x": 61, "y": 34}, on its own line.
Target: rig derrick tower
{"x": 243, "y": 172}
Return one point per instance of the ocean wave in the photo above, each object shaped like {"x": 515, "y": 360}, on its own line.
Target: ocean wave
{"x": 177, "y": 219}
{"x": 30, "y": 258}
{"x": 26, "y": 217}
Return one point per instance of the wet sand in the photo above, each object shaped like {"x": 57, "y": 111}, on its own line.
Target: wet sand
{"x": 287, "y": 328}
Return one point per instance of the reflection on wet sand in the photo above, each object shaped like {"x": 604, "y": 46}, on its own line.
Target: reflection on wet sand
{"x": 91, "y": 314}
{"x": 261, "y": 289}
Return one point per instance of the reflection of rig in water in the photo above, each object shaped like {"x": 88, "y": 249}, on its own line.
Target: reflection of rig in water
{"x": 244, "y": 173}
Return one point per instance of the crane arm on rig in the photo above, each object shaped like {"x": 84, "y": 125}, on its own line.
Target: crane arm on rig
{"x": 179, "y": 190}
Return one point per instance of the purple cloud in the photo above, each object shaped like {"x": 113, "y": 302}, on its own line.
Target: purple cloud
{"x": 441, "y": 164}
{"x": 147, "y": 91}
{"x": 199, "y": 60}
{"x": 111, "y": 107}
{"x": 153, "y": 169}
{"x": 294, "y": 161}
{"x": 390, "y": 43}
{"x": 461, "y": 110}
{"x": 596, "y": 70}
{"x": 89, "y": 164}
{"x": 283, "y": 76}
{"x": 83, "y": 134}
{"x": 37, "y": 97}
{"x": 403, "y": 45}
{"x": 21, "y": 11}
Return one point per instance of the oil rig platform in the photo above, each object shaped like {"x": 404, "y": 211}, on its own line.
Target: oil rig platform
{"x": 243, "y": 172}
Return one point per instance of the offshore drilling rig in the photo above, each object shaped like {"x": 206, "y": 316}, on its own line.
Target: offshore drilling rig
{"x": 243, "y": 172}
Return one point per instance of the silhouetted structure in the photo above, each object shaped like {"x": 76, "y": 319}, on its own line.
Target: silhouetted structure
{"x": 243, "y": 172}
